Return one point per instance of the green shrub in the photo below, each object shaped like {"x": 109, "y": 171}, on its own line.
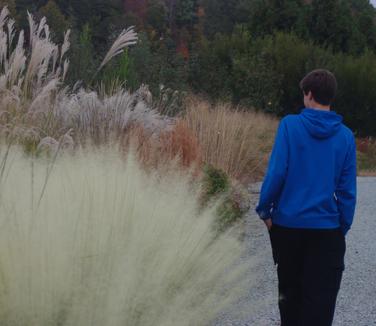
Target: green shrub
{"x": 217, "y": 187}
{"x": 265, "y": 72}
{"x": 228, "y": 213}
{"x": 356, "y": 98}
{"x": 216, "y": 181}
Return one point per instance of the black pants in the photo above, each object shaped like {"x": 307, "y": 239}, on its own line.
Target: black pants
{"x": 310, "y": 263}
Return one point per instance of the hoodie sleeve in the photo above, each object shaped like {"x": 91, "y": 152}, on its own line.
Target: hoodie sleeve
{"x": 276, "y": 173}
{"x": 346, "y": 189}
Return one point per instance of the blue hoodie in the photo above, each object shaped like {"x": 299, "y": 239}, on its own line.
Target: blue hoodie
{"x": 311, "y": 176}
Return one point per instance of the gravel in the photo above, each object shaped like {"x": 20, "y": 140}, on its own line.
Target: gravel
{"x": 356, "y": 304}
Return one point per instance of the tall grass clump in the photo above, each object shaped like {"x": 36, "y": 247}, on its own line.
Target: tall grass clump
{"x": 101, "y": 118}
{"x": 94, "y": 240}
{"x": 30, "y": 75}
{"x": 235, "y": 141}
{"x": 36, "y": 105}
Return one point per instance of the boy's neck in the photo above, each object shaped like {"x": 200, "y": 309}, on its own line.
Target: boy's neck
{"x": 317, "y": 106}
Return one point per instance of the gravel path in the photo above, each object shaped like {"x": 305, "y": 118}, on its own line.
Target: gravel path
{"x": 356, "y": 304}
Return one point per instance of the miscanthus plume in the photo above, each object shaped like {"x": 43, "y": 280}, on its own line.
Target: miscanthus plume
{"x": 35, "y": 102}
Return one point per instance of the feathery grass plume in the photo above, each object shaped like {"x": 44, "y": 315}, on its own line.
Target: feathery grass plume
{"x": 66, "y": 45}
{"x": 42, "y": 53}
{"x": 103, "y": 118}
{"x": 34, "y": 102}
{"x": 235, "y": 141}
{"x": 126, "y": 38}
{"x": 110, "y": 245}
{"x": 32, "y": 96}
{"x": 3, "y": 36}
{"x": 17, "y": 61}
{"x": 11, "y": 31}
{"x": 28, "y": 77}
{"x": 4, "y": 16}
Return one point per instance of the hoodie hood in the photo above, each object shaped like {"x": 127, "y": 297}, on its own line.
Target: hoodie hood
{"x": 320, "y": 123}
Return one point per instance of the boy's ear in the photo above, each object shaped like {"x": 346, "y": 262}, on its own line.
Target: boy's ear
{"x": 310, "y": 96}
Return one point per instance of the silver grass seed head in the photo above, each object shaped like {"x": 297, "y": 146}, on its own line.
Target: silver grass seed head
{"x": 48, "y": 144}
{"x": 126, "y": 38}
{"x": 4, "y": 16}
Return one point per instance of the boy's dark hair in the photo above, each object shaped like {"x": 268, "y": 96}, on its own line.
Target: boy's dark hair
{"x": 322, "y": 84}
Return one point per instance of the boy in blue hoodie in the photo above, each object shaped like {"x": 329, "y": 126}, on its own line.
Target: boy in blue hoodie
{"x": 307, "y": 202}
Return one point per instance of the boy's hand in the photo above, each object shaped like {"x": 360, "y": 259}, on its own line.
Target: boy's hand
{"x": 268, "y": 223}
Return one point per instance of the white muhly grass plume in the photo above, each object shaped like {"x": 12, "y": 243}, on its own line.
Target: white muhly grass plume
{"x": 110, "y": 245}
{"x": 126, "y": 38}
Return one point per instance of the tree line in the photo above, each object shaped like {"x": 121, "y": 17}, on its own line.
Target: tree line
{"x": 250, "y": 52}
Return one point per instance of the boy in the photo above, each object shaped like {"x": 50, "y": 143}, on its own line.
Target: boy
{"x": 307, "y": 202}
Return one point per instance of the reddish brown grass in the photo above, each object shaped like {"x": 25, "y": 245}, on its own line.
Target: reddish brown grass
{"x": 178, "y": 145}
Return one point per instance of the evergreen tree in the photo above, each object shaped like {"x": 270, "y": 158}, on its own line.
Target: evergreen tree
{"x": 323, "y": 22}
{"x": 157, "y": 16}
{"x": 186, "y": 13}
{"x": 82, "y": 56}
{"x": 220, "y": 16}
{"x": 55, "y": 19}
{"x": 11, "y": 4}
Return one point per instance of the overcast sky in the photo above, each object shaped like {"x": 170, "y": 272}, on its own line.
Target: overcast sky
{"x": 373, "y": 2}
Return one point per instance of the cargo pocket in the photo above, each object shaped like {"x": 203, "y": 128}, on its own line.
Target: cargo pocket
{"x": 273, "y": 245}
{"x": 337, "y": 262}
{"x": 335, "y": 276}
